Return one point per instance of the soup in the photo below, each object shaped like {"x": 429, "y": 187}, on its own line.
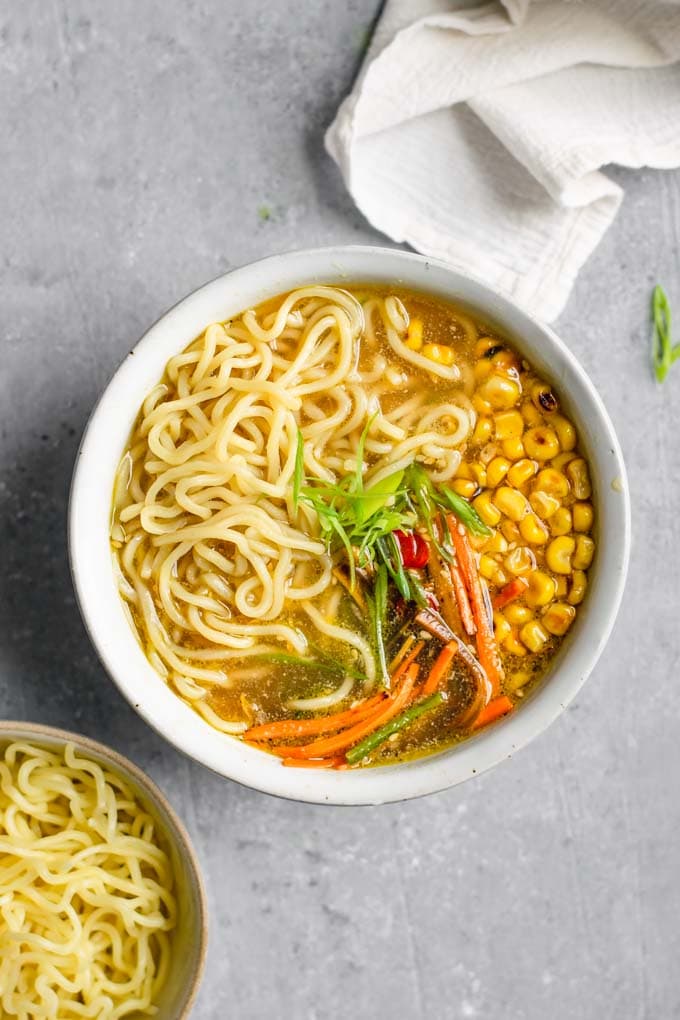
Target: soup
{"x": 352, "y": 526}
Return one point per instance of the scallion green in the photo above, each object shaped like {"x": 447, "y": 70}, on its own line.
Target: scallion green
{"x": 664, "y": 354}
{"x": 298, "y": 474}
{"x": 374, "y": 740}
{"x": 464, "y": 511}
{"x": 379, "y": 619}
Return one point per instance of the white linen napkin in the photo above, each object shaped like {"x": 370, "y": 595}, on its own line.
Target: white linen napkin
{"x": 476, "y": 133}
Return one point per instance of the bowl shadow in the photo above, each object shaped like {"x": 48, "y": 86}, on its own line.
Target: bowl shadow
{"x": 51, "y": 672}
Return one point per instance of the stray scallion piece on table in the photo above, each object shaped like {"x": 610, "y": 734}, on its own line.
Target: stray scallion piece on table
{"x": 664, "y": 352}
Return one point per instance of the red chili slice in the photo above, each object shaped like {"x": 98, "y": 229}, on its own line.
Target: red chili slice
{"x": 422, "y": 551}
{"x": 407, "y": 546}
{"x": 413, "y": 548}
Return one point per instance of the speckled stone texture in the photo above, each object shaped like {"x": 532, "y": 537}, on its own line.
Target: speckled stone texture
{"x": 147, "y": 147}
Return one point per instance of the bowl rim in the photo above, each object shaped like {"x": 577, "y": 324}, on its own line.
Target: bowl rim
{"x": 178, "y": 833}
{"x": 165, "y": 711}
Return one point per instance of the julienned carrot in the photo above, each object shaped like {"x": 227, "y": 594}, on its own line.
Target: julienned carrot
{"x": 319, "y": 763}
{"x": 332, "y": 746}
{"x": 283, "y": 729}
{"x": 486, "y": 642}
{"x": 400, "y": 722}
{"x": 466, "y": 617}
{"x": 494, "y": 710}
{"x": 406, "y": 663}
{"x": 440, "y": 668}
{"x": 287, "y": 729}
{"x": 511, "y": 591}
{"x": 402, "y": 652}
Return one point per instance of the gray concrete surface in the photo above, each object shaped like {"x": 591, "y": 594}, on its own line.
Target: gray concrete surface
{"x": 147, "y": 147}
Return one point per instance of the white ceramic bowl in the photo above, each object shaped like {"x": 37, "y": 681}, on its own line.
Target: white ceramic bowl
{"x": 90, "y": 509}
{"x": 190, "y": 937}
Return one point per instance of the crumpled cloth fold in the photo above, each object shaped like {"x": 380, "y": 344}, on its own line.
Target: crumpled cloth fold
{"x": 477, "y": 134}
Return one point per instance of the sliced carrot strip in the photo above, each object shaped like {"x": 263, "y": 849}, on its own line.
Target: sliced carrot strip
{"x": 510, "y": 592}
{"x": 440, "y": 668}
{"x": 316, "y": 763}
{"x": 283, "y": 729}
{"x": 332, "y": 746}
{"x": 466, "y": 617}
{"x": 487, "y": 649}
{"x": 494, "y": 710}
{"x": 288, "y": 729}
{"x": 402, "y": 652}
{"x": 406, "y": 663}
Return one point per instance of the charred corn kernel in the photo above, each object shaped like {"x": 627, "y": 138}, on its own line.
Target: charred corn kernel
{"x": 520, "y": 561}
{"x": 513, "y": 448}
{"x": 483, "y": 431}
{"x": 541, "y": 443}
{"x": 559, "y": 553}
{"x": 582, "y": 514}
{"x": 543, "y": 397}
{"x": 533, "y": 530}
{"x": 566, "y": 433}
{"x": 481, "y": 405}
{"x": 505, "y": 359}
{"x": 496, "y": 470}
{"x": 509, "y": 425}
{"x": 584, "y": 552}
{"x": 562, "y": 459}
{"x": 517, "y": 613}
{"x": 484, "y": 344}
{"x": 560, "y": 587}
{"x": 560, "y": 522}
{"x": 541, "y": 589}
{"x": 439, "y": 353}
{"x": 558, "y": 618}
{"x": 532, "y": 416}
{"x": 544, "y": 504}
{"x": 552, "y": 481}
{"x": 501, "y": 627}
{"x": 490, "y": 514}
{"x": 513, "y": 645}
{"x": 464, "y": 487}
{"x": 516, "y": 681}
{"x": 533, "y": 635}
{"x": 414, "y": 336}
{"x": 511, "y": 502}
{"x": 482, "y": 370}
{"x": 497, "y": 543}
{"x": 500, "y": 392}
{"x": 577, "y": 473}
{"x": 510, "y": 531}
{"x": 521, "y": 471}
{"x": 579, "y": 583}
{"x": 479, "y": 474}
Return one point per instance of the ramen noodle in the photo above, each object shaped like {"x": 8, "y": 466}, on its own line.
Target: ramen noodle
{"x": 87, "y": 906}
